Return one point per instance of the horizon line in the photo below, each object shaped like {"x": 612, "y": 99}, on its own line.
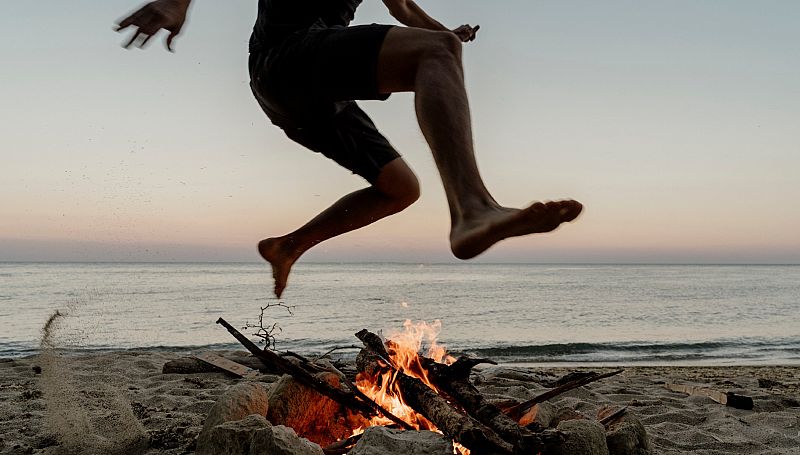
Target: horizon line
{"x": 399, "y": 262}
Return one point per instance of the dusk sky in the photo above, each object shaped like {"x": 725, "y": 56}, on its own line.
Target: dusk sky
{"x": 676, "y": 124}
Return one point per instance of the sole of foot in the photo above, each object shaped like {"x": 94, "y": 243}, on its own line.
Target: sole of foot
{"x": 479, "y": 235}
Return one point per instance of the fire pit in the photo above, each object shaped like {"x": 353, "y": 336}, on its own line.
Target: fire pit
{"x": 399, "y": 399}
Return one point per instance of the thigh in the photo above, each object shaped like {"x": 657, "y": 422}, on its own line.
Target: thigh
{"x": 402, "y": 51}
{"x": 351, "y": 139}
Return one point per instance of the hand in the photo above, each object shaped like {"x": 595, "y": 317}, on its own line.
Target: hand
{"x": 467, "y": 32}
{"x": 152, "y": 17}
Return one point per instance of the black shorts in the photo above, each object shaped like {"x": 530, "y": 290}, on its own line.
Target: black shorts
{"x": 307, "y": 85}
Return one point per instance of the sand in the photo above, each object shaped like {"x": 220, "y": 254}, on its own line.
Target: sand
{"x": 121, "y": 403}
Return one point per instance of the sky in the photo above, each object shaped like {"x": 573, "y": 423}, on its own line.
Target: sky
{"x": 675, "y": 123}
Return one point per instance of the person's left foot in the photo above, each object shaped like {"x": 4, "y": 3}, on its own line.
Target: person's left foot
{"x": 472, "y": 237}
{"x": 281, "y": 258}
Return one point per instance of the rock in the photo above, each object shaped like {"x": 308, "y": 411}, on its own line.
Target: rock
{"x": 234, "y": 437}
{"x": 627, "y": 436}
{"x": 384, "y": 441}
{"x": 282, "y": 441}
{"x": 238, "y": 402}
{"x": 311, "y": 414}
{"x": 584, "y": 437}
{"x": 565, "y": 414}
{"x": 254, "y": 435}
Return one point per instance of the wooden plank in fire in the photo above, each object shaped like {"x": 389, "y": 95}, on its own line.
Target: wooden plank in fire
{"x": 228, "y": 365}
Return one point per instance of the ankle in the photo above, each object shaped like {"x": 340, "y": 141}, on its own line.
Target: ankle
{"x": 475, "y": 210}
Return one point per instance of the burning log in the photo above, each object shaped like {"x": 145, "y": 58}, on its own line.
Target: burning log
{"x": 454, "y": 381}
{"x": 455, "y": 424}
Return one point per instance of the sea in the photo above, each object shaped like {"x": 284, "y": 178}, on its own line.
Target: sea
{"x": 535, "y": 314}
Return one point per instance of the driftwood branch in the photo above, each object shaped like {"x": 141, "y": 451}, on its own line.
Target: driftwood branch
{"x": 353, "y": 400}
{"x": 519, "y": 410}
{"x": 297, "y": 372}
{"x": 346, "y": 399}
{"x": 332, "y": 350}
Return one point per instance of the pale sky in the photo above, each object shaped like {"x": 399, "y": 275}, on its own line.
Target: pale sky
{"x": 677, "y": 124}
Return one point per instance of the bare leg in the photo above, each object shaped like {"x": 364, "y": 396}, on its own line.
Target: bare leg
{"x": 395, "y": 189}
{"x": 429, "y": 64}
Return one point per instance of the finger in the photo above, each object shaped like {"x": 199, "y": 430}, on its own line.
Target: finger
{"x": 125, "y": 23}
{"x": 133, "y": 19}
{"x": 169, "y": 41}
{"x": 133, "y": 38}
{"x": 144, "y": 41}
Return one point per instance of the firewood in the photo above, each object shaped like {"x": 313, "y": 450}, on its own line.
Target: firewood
{"x": 519, "y": 410}
{"x": 453, "y": 423}
{"x": 234, "y": 368}
{"x": 272, "y": 360}
{"x": 454, "y": 381}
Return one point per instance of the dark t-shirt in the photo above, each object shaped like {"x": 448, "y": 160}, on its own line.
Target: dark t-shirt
{"x": 278, "y": 19}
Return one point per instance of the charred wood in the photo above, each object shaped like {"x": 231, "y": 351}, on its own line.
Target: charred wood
{"x": 272, "y": 360}
{"x": 454, "y": 381}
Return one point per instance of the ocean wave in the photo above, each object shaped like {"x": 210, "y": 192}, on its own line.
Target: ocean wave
{"x": 638, "y": 352}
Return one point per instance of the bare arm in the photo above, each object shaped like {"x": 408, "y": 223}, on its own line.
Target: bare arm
{"x": 410, "y": 14}
{"x": 152, "y": 17}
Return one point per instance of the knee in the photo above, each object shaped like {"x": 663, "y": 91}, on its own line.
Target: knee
{"x": 398, "y": 183}
{"x": 405, "y": 192}
{"x": 445, "y": 45}
{"x": 410, "y": 194}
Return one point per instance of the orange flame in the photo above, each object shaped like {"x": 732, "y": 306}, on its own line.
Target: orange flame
{"x": 404, "y": 347}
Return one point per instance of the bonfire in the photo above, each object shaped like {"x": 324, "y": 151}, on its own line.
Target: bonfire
{"x": 407, "y": 381}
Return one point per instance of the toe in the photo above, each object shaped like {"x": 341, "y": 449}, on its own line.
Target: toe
{"x": 569, "y": 210}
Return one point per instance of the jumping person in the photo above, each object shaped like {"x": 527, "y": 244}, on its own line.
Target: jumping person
{"x": 308, "y": 66}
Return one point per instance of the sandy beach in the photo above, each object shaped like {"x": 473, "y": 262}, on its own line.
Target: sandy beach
{"x": 121, "y": 402}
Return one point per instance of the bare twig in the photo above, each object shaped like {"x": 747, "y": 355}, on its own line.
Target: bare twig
{"x": 332, "y": 350}
{"x": 267, "y": 332}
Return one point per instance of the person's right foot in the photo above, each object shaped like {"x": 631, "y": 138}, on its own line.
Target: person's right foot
{"x": 472, "y": 237}
{"x": 281, "y": 258}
